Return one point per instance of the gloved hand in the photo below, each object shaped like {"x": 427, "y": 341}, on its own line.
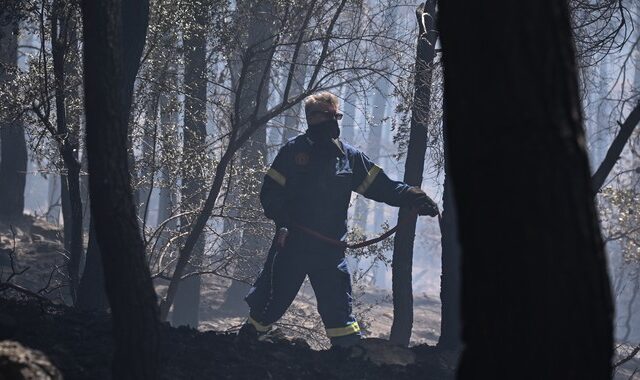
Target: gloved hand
{"x": 281, "y": 237}
{"x": 283, "y": 221}
{"x": 422, "y": 202}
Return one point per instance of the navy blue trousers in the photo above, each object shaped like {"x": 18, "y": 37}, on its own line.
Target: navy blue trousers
{"x": 283, "y": 274}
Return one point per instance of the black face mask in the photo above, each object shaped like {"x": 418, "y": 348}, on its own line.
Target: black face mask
{"x": 325, "y": 131}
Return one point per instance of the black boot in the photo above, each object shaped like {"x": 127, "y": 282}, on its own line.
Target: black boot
{"x": 246, "y": 334}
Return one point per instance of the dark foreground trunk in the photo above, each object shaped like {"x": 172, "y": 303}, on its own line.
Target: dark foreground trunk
{"x": 91, "y": 292}
{"x": 13, "y": 148}
{"x": 414, "y": 166}
{"x": 450, "y": 278}
{"x": 114, "y": 32}
{"x": 536, "y": 302}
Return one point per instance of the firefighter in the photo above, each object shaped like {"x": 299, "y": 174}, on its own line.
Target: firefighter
{"x": 308, "y": 188}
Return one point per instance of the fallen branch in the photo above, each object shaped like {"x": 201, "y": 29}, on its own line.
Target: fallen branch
{"x": 6, "y": 286}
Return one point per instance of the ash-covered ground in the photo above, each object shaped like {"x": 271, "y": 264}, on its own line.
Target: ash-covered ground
{"x": 80, "y": 343}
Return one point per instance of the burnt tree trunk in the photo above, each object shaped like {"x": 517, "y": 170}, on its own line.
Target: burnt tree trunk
{"x": 414, "y": 166}
{"x": 13, "y": 146}
{"x": 187, "y": 301}
{"x": 62, "y": 26}
{"x": 450, "y": 277}
{"x": 91, "y": 291}
{"x": 114, "y": 32}
{"x": 535, "y": 292}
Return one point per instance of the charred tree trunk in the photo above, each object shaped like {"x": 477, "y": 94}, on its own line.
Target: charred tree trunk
{"x": 535, "y": 291}
{"x": 91, "y": 292}
{"x": 413, "y": 168}
{"x": 450, "y": 279}
{"x": 62, "y": 26}
{"x": 114, "y": 33}
{"x": 187, "y": 302}
{"x": 13, "y": 146}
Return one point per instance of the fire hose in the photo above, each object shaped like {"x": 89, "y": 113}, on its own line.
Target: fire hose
{"x": 345, "y": 245}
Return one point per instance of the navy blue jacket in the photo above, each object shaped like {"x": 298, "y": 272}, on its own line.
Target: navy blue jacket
{"x": 311, "y": 184}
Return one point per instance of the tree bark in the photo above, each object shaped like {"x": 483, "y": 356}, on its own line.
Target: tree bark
{"x": 13, "y": 146}
{"x": 414, "y": 166}
{"x": 535, "y": 291}
{"x": 91, "y": 291}
{"x": 114, "y": 33}
{"x": 450, "y": 323}
{"x": 67, "y": 139}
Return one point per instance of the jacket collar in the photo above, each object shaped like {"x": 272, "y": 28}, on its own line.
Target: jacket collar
{"x": 339, "y": 148}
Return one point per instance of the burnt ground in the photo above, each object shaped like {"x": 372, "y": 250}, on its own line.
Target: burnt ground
{"x": 80, "y": 345}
